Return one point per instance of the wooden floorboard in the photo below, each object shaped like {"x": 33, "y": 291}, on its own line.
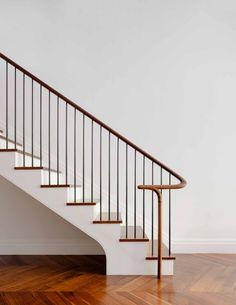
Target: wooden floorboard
{"x": 200, "y": 279}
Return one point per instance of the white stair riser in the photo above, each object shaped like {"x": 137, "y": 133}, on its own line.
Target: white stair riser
{"x": 26, "y": 160}
{"x": 53, "y": 179}
{"x": 3, "y": 145}
{"x": 75, "y": 195}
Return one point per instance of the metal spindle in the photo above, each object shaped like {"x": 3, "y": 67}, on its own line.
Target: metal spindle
{"x": 109, "y": 176}
{"x": 32, "y": 123}
{"x": 143, "y": 197}
{"x": 169, "y": 215}
{"x": 91, "y": 160}
{"x": 49, "y": 138}
{"x": 6, "y": 105}
{"x": 117, "y": 178}
{"x": 58, "y": 140}
{"x": 66, "y": 144}
{"x": 152, "y": 210}
{"x": 23, "y": 120}
{"x": 126, "y": 191}
{"x": 83, "y": 158}
{"x": 15, "y": 107}
{"x": 74, "y": 155}
{"x": 40, "y": 125}
{"x": 161, "y": 177}
{"x": 100, "y": 172}
{"x": 135, "y": 193}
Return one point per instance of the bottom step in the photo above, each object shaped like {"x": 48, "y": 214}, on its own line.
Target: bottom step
{"x": 152, "y": 252}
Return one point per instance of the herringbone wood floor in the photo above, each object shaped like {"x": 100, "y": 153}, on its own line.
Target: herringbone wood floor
{"x": 66, "y": 280}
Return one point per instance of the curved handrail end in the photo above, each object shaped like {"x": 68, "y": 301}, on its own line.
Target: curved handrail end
{"x": 163, "y": 186}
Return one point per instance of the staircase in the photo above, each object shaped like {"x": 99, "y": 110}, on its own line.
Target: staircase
{"x": 87, "y": 173}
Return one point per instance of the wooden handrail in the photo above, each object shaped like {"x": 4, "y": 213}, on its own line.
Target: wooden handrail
{"x": 162, "y": 186}
{"x": 112, "y": 131}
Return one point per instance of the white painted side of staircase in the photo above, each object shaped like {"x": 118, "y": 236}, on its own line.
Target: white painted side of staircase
{"x": 124, "y": 258}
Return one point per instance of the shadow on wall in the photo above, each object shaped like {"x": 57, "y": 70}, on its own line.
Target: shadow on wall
{"x": 28, "y": 227}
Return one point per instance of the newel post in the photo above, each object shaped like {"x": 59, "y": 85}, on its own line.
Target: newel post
{"x": 159, "y": 239}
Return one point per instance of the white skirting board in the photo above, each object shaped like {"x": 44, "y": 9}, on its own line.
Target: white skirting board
{"x": 204, "y": 246}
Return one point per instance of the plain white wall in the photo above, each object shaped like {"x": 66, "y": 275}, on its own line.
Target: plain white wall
{"x": 165, "y": 69}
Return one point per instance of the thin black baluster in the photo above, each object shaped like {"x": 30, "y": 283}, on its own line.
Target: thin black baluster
{"x": 117, "y": 178}
{"x": 40, "y": 124}
{"x": 32, "y": 123}
{"x": 169, "y": 216}
{"x": 143, "y": 197}
{"x": 109, "y": 176}
{"x": 91, "y": 160}
{"x": 6, "y": 105}
{"x": 23, "y": 120}
{"x": 15, "y": 107}
{"x": 152, "y": 211}
{"x": 100, "y": 172}
{"x": 83, "y": 158}
{"x": 49, "y": 138}
{"x": 66, "y": 144}
{"x": 126, "y": 190}
{"x": 135, "y": 194}
{"x": 58, "y": 137}
{"x": 74, "y": 154}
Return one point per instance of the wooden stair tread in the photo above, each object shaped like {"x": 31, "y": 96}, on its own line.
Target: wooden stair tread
{"x": 131, "y": 236}
{"x": 60, "y": 185}
{"x": 35, "y": 168}
{"x": 86, "y": 202}
{"x": 54, "y": 185}
{"x": 10, "y": 140}
{"x": 165, "y": 252}
{"x": 8, "y": 150}
{"x": 28, "y": 167}
{"x": 106, "y": 219}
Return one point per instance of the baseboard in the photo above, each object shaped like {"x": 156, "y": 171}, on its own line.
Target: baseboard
{"x": 49, "y": 247}
{"x": 204, "y": 246}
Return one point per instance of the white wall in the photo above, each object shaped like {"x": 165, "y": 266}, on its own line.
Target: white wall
{"x": 167, "y": 68}
{"x": 28, "y": 227}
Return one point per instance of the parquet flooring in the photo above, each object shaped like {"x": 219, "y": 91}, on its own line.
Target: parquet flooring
{"x": 200, "y": 279}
